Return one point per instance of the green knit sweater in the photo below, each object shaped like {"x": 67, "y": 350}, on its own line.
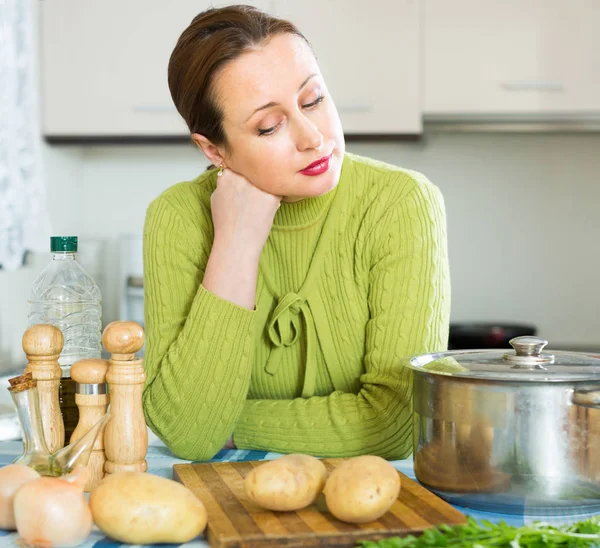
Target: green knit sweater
{"x": 349, "y": 284}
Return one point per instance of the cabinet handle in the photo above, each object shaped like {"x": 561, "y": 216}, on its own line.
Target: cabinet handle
{"x": 153, "y": 108}
{"x": 355, "y": 108}
{"x": 533, "y": 85}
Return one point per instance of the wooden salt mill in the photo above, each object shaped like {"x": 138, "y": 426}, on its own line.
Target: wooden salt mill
{"x": 126, "y": 434}
{"x": 43, "y": 343}
{"x": 92, "y": 399}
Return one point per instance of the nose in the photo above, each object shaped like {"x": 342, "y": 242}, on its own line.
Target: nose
{"x": 308, "y": 135}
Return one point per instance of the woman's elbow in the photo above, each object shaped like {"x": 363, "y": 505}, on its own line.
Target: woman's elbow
{"x": 182, "y": 442}
{"x": 183, "y": 449}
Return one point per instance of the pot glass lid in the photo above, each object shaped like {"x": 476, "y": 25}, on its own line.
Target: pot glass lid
{"x": 527, "y": 361}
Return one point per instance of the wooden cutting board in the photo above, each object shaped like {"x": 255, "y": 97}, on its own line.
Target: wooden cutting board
{"x": 235, "y": 521}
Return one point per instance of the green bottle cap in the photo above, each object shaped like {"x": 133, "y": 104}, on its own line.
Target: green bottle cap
{"x": 64, "y": 244}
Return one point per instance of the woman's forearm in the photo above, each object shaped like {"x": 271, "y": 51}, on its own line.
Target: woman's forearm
{"x": 232, "y": 271}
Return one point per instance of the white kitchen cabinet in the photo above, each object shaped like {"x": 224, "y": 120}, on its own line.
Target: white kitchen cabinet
{"x": 535, "y": 58}
{"x": 104, "y": 66}
{"x": 104, "y": 63}
{"x": 370, "y": 59}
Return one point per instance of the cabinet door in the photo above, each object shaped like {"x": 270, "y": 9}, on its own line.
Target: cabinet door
{"x": 369, "y": 56}
{"x": 536, "y": 57}
{"x": 104, "y": 65}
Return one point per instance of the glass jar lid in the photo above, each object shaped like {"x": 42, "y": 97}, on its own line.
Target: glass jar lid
{"x": 526, "y": 362}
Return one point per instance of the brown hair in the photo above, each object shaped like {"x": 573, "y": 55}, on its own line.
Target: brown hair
{"x": 213, "y": 38}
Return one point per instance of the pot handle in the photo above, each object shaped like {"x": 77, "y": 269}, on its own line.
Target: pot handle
{"x": 586, "y": 398}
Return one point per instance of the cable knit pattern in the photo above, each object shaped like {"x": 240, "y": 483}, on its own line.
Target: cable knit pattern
{"x": 350, "y": 284}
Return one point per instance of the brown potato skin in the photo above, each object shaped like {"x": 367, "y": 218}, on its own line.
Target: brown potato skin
{"x": 285, "y": 484}
{"x": 141, "y": 508}
{"x": 362, "y": 489}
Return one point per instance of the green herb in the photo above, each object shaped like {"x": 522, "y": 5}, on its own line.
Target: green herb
{"x": 480, "y": 534}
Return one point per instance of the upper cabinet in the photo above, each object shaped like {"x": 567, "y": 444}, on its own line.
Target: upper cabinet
{"x": 535, "y": 58}
{"x": 104, "y": 66}
{"x": 369, "y": 57}
{"x": 104, "y": 63}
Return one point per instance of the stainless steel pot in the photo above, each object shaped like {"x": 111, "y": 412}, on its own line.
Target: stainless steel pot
{"x": 512, "y": 431}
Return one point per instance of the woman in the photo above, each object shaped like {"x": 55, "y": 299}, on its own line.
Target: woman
{"x": 283, "y": 287}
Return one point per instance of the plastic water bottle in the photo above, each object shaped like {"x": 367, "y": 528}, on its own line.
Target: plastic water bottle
{"x": 66, "y": 296}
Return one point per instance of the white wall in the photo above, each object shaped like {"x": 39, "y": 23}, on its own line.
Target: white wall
{"x": 523, "y": 220}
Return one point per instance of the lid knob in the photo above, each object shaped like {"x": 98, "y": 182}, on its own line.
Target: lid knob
{"x": 528, "y": 346}
{"x": 528, "y": 353}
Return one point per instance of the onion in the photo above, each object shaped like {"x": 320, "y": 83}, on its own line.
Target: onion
{"x": 52, "y": 512}
{"x": 11, "y": 478}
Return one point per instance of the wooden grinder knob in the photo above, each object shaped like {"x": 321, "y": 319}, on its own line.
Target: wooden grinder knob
{"x": 43, "y": 344}
{"x": 90, "y": 371}
{"x": 126, "y": 434}
{"x": 123, "y": 339}
{"x": 92, "y": 399}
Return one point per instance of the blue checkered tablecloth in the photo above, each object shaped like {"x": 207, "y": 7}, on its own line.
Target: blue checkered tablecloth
{"x": 161, "y": 461}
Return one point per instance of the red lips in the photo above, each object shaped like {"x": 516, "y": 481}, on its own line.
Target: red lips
{"x": 318, "y": 167}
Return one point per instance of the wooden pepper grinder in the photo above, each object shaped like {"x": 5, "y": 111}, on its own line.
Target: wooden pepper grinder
{"x": 126, "y": 434}
{"x": 92, "y": 399}
{"x": 43, "y": 343}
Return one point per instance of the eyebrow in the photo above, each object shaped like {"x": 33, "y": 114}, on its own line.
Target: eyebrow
{"x": 273, "y": 104}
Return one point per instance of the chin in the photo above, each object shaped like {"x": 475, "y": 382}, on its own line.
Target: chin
{"x": 315, "y": 188}
{"x": 323, "y": 184}
{"x": 330, "y": 184}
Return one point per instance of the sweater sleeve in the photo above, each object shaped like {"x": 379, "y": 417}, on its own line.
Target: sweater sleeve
{"x": 409, "y": 300}
{"x": 199, "y": 346}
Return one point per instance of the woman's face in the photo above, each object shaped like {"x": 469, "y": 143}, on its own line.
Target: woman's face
{"x": 279, "y": 119}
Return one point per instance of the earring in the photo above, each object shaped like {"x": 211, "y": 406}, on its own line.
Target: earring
{"x": 221, "y": 169}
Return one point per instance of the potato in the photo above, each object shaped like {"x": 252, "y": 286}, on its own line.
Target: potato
{"x": 288, "y": 483}
{"x": 362, "y": 489}
{"x": 140, "y": 508}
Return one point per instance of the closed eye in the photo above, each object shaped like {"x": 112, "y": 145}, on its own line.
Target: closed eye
{"x": 267, "y": 131}
{"x": 271, "y": 130}
{"x": 315, "y": 102}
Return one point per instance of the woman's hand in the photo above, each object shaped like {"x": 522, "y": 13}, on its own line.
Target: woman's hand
{"x": 242, "y": 219}
{"x": 242, "y": 213}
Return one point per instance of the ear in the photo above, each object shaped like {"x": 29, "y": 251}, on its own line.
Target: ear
{"x": 210, "y": 151}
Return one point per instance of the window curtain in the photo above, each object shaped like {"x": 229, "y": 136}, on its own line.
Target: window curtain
{"x": 24, "y": 219}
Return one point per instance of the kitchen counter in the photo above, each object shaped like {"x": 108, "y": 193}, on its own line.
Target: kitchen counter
{"x": 161, "y": 461}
